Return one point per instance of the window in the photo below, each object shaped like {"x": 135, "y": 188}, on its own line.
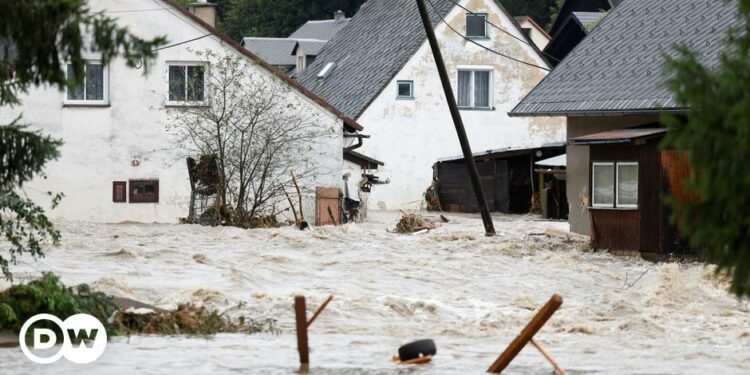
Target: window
{"x": 187, "y": 84}
{"x": 119, "y": 192}
{"x": 144, "y": 191}
{"x": 405, "y": 90}
{"x": 300, "y": 64}
{"x": 614, "y": 185}
{"x": 627, "y": 185}
{"x": 474, "y": 89}
{"x": 476, "y": 25}
{"x": 93, "y": 89}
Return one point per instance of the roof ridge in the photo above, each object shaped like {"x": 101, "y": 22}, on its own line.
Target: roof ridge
{"x": 243, "y": 51}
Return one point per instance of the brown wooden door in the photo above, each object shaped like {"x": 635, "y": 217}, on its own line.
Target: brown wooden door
{"x": 327, "y": 206}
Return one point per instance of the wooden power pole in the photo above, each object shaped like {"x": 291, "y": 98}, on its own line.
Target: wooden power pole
{"x": 489, "y": 227}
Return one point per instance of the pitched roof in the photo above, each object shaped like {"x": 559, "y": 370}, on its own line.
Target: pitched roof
{"x": 618, "y": 67}
{"x": 292, "y": 83}
{"x": 375, "y": 45}
{"x": 588, "y": 20}
{"x": 322, "y": 30}
{"x": 275, "y": 51}
{"x": 311, "y": 47}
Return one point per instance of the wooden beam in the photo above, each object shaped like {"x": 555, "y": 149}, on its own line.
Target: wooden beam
{"x": 319, "y": 310}
{"x": 300, "y": 313}
{"x": 526, "y": 334}
{"x": 558, "y": 370}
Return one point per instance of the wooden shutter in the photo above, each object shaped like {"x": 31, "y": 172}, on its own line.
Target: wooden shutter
{"x": 119, "y": 191}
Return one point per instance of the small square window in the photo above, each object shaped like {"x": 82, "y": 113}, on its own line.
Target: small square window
{"x": 476, "y": 25}
{"x": 405, "y": 90}
{"x": 614, "y": 185}
{"x": 144, "y": 191}
{"x": 187, "y": 84}
{"x": 92, "y": 90}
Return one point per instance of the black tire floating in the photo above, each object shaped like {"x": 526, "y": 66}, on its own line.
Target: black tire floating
{"x": 417, "y": 349}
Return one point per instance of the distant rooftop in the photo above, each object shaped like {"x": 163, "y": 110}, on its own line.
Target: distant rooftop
{"x": 321, "y": 30}
{"x": 275, "y": 51}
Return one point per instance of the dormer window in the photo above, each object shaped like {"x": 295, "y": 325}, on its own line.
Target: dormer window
{"x": 92, "y": 90}
{"x": 476, "y": 25}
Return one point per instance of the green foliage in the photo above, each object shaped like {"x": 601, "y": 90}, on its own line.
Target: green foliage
{"x": 279, "y": 18}
{"x": 48, "y": 295}
{"x": 37, "y": 39}
{"x": 716, "y": 133}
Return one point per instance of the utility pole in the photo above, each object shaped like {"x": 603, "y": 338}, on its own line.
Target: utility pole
{"x": 489, "y": 227}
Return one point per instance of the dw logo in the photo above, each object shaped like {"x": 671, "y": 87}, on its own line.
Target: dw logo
{"x": 84, "y": 339}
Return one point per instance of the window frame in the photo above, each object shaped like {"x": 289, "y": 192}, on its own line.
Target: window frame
{"x": 85, "y": 102}
{"x": 486, "y": 29}
{"x": 411, "y": 90}
{"x": 491, "y": 84}
{"x": 617, "y": 185}
{"x": 186, "y": 103}
{"x": 143, "y": 198}
{"x": 615, "y": 205}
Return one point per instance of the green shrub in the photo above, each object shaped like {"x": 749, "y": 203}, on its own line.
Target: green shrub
{"x": 48, "y": 295}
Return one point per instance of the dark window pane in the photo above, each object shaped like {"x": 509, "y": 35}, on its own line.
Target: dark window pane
{"x": 404, "y": 90}
{"x": 150, "y": 189}
{"x": 177, "y": 83}
{"x": 195, "y": 83}
{"x": 482, "y": 89}
{"x": 94, "y": 82}
{"x": 464, "y": 89}
{"x": 75, "y": 93}
{"x": 475, "y": 25}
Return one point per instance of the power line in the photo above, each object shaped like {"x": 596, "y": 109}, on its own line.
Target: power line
{"x": 487, "y": 20}
{"x": 181, "y": 43}
{"x": 481, "y": 46}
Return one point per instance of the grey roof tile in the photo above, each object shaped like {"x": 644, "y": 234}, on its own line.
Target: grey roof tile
{"x": 275, "y": 51}
{"x": 367, "y": 53}
{"x": 618, "y": 67}
{"x": 322, "y": 30}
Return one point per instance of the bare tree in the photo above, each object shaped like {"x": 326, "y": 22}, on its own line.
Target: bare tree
{"x": 257, "y": 129}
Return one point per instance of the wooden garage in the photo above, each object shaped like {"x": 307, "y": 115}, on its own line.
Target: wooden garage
{"x": 629, "y": 177}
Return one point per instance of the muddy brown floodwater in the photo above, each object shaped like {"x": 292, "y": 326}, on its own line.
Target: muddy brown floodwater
{"x": 470, "y": 293}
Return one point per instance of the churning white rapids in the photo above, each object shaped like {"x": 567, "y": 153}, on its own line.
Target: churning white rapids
{"x": 470, "y": 293}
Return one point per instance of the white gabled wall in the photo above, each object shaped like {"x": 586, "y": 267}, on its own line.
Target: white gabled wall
{"x": 101, "y": 142}
{"x": 410, "y": 135}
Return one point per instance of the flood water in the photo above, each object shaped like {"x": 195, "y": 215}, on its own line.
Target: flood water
{"x": 470, "y": 293}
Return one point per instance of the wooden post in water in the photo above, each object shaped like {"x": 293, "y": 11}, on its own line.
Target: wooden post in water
{"x": 463, "y": 139}
{"x": 526, "y": 335}
{"x": 300, "y": 312}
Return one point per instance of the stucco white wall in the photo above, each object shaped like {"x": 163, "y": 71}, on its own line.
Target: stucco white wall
{"x": 410, "y": 135}
{"x": 101, "y": 142}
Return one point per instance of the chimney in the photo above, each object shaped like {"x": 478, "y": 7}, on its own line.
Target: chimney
{"x": 204, "y": 10}
{"x": 339, "y": 15}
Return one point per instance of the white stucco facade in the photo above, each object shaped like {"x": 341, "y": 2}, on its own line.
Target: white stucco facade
{"x": 410, "y": 135}
{"x": 127, "y": 139}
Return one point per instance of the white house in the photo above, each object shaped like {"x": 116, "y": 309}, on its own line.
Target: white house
{"x": 119, "y": 161}
{"x": 380, "y": 71}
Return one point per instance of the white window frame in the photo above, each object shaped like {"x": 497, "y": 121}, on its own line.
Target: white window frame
{"x": 204, "y": 102}
{"x": 486, "y": 28}
{"x": 617, "y": 185}
{"x": 105, "y": 87}
{"x": 616, "y": 193}
{"x": 411, "y": 89}
{"x": 593, "y": 188}
{"x": 473, "y": 70}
